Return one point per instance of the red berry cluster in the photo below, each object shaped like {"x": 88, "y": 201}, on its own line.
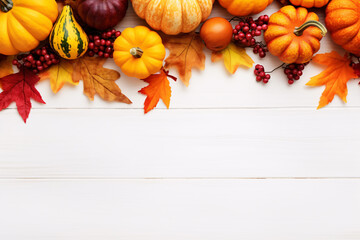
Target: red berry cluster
{"x": 37, "y": 60}
{"x": 260, "y": 49}
{"x": 260, "y": 74}
{"x": 356, "y": 67}
{"x": 248, "y": 28}
{"x": 103, "y": 44}
{"x": 294, "y": 71}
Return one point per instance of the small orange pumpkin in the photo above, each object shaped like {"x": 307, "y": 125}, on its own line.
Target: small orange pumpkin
{"x": 294, "y": 35}
{"x": 343, "y": 22}
{"x": 244, "y": 7}
{"x": 216, "y": 33}
{"x": 310, "y": 3}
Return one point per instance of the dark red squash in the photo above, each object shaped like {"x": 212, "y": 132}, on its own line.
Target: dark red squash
{"x": 101, "y": 14}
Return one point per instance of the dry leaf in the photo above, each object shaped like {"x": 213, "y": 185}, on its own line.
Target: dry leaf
{"x": 186, "y": 53}
{"x": 59, "y": 74}
{"x": 234, "y": 57}
{"x": 98, "y": 79}
{"x": 158, "y": 87}
{"x": 5, "y": 65}
{"x": 335, "y": 77}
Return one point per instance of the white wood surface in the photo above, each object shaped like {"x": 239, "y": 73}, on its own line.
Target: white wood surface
{"x": 230, "y": 159}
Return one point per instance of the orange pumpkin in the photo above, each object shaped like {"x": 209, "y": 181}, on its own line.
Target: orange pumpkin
{"x": 244, "y": 7}
{"x": 343, "y": 22}
{"x": 173, "y": 16}
{"x": 294, "y": 35}
{"x": 310, "y": 3}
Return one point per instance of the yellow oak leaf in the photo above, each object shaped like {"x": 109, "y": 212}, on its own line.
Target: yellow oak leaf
{"x": 98, "y": 79}
{"x": 59, "y": 74}
{"x": 335, "y": 77}
{"x": 158, "y": 88}
{"x": 233, "y": 57}
{"x": 186, "y": 53}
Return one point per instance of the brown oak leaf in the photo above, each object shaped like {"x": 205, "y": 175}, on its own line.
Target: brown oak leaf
{"x": 186, "y": 53}
{"x": 98, "y": 79}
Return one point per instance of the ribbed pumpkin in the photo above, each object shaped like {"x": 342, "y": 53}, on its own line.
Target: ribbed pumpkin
{"x": 24, "y": 23}
{"x": 294, "y": 35}
{"x": 310, "y": 3}
{"x": 343, "y": 22}
{"x": 173, "y": 16}
{"x": 139, "y": 52}
{"x": 244, "y": 7}
{"x": 67, "y": 38}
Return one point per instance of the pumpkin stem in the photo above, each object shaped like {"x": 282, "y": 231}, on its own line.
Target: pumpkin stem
{"x": 136, "y": 52}
{"x": 6, "y": 5}
{"x": 298, "y": 31}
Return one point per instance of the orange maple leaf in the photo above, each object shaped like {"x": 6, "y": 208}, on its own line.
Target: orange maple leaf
{"x": 186, "y": 53}
{"x": 159, "y": 87}
{"x": 335, "y": 77}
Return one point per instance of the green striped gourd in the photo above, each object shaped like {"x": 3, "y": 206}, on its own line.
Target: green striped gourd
{"x": 67, "y": 38}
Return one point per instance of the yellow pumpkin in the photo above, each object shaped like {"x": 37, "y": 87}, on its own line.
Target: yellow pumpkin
{"x": 244, "y": 7}
{"x": 139, "y": 52}
{"x": 310, "y": 3}
{"x": 173, "y": 16}
{"x": 24, "y": 23}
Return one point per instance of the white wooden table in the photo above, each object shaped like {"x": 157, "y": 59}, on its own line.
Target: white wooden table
{"x": 232, "y": 159}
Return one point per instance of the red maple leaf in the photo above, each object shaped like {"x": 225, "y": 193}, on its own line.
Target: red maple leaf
{"x": 19, "y": 88}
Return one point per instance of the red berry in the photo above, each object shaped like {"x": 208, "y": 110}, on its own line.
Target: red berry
{"x": 102, "y": 42}
{"x": 42, "y": 58}
{"x": 38, "y": 63}
{"x": 108, "y": 49}
{"x": 290, "y": 81}
{"x": 47, "y": 57}
{"x": 18, "y": 65}
{"x": 267, "y": 76}
{"x": 45, "y": 65}
{"x": 299, "y": 73}
{"x": 40, "y": 68}
{"x": 237, "y": 28}
{"x": 43, "y": 52}
{"x": 91, "y": 53}
{"x": 96, "y": 38}
{"x": 15, "y": 62}
{"x": 97, "y": 42}
{"x": 104, "y": 35}
{"x": 35, "y": 71}
{"x": 30, "y": 58}
{"x": 91, "y": 45}
{"x": 266, "y": 18}
{"x": 100, "y": 53}
{"x": 246, "y": 29}
{"x": 38, "y": 52}
{"x": 108, "y": 43}
{"x": 54, "y": 61}
{"x": 91, "y": 37}
{"x": 262, "y": 74}
{"x": 258, "y": 78}
{"x": 295, "y": 72}
{"x": 49, "y": 62}
{"x": 117, "y": 34}
{"x": 52, "y": 56}
{"x": 109, "y": 34}
{"x": 106, "y": 55}
{"x": 27, "y": 64}
{"x": 265, "y": 80}
{"x": 262, "y": 54}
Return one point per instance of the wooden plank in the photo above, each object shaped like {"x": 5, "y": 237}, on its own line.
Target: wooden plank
{"x": 174, "y": 209}
{"x": 180, "y": 143}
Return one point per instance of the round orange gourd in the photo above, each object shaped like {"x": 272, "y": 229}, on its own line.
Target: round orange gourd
{"x": 244, "y": 7}
{"x": 343, "y": 22}
{"x": 139, "y": 52}
{"x": 216, "y": 33}
{"x": 173, "y": 16}
{"x": 294, "y": 35}
{"x": 24, "y": 23}
{"x": 310, "y": 3}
